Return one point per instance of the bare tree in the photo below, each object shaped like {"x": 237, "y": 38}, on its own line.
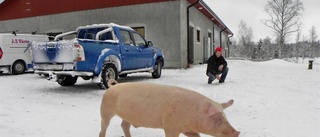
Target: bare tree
{"x": 245, "y": 35}
{"x": 296, "y": 46}
{"x": 313, "y": 38}
{"x": 283, "y": 19}
{"x": 313, "y": 34}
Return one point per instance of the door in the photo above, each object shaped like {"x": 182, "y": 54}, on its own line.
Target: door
{"x": 129, "y": 51}
{"x": 191, "y": 45}
{"x": 145, "y": 53}
{"x": 206, "y": 49}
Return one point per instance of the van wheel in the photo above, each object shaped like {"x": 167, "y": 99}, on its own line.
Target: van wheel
{"x": 64, "y": 80}
{"x": 18, "y": 67}
{"x": 157, "y": 69}
{"x": 109, "y": 71}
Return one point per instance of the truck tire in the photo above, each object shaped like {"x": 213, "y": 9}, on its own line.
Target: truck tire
{"x": 18, "y": 67}
{"x": 157, "y": 69}
{"x": 109, "y": 71}
{"x": 67, "y": 80}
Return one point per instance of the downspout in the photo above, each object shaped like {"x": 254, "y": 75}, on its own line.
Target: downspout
{"x": 221, "y": 38}
{"x": 229, "y": 44}
{"x": 188, "y": 33}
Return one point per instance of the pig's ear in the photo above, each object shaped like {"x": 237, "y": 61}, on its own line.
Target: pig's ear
{"x": 212, "y": 110}
{"x": 227, "y": 104}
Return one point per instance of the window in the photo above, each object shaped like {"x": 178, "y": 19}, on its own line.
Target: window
{"x": 140, "y": 30}
{"x": 89, "y": 33}
{"x": 106, "y": 36}
{"x": 198, "y": 35}
{"x": 125, "y": 37}
{"x": 139, "y": 41}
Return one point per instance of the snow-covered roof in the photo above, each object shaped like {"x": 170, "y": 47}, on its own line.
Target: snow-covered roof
{"x": 103, "y": 25}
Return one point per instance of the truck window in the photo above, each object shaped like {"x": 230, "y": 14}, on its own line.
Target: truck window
{"x": 125, "y": 37}
{"x": 106, "y": 36}
{"x": 139, "y": 41}
{"x": 89, "y": 33}
{"x": 82, "y": 33}
{"x": 89, "y": 36}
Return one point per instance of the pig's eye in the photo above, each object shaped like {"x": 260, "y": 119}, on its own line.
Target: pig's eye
{"x": 220, "y": 121}
{"x": 217, "y": 122}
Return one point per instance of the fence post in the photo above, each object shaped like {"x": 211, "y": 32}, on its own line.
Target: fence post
{"x": 310, "y": 64}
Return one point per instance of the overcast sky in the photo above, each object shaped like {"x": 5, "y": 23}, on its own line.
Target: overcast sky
{"x": 231, "y": 12}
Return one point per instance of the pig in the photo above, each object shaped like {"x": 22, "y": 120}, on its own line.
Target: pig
{"x": 174, "y": 109}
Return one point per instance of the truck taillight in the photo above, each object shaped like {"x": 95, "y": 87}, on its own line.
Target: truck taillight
{"x": 1, "y": 53}
{"x": 78, "y": 53}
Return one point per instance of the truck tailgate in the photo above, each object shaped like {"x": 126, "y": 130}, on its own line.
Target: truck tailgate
{"x": 52, "y": 52}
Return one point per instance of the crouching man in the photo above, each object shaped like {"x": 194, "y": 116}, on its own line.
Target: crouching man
{"x": 217, "y": 66}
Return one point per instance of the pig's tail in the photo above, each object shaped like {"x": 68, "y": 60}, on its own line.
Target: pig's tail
{"x": 112, "y": 82}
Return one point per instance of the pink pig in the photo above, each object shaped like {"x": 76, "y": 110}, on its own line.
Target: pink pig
{"x": 174, "y": 109}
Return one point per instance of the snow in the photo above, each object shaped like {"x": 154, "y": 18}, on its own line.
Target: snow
{"x": 275, "y": 98}
{"x": 304, "y": 60}
{"x": 103, "y": 25}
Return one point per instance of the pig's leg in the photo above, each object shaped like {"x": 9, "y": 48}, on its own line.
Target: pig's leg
{"x": 188, "y": 134}
{"x": 106, "y": 115}
{"x": 126, "y": 128}
{"x": 170, "y": 133}
{"x": 104, "y": 125}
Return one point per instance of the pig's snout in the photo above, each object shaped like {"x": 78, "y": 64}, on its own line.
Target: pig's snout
{"x": 233, "y": 133}
{"x": 236, "y": 134}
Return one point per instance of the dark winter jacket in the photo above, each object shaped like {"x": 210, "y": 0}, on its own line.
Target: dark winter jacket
{"x": 213, "y": 64}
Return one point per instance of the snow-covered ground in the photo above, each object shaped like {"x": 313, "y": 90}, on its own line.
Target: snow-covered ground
{"x": 272, "y": 99}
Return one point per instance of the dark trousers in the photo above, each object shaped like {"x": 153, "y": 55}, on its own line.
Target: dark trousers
{"x": 212, "y": 77}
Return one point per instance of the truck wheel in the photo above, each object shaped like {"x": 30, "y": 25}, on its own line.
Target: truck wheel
{"x": 109, "y": 71}
{"x": 18, "y": 67}
{"x": 67, "y": 80}
{"x": 157, "y": 69}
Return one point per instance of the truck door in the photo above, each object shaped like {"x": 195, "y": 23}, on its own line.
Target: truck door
{"x": 129, "y": 51}
{"x": 145, "y": 53}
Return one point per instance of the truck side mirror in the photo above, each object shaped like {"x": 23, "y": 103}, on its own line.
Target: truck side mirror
{"x": 150, "y": 44}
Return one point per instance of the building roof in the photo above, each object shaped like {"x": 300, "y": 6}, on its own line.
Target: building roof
{"x": 15, "y": 9}
{"x": 207, "y": 11}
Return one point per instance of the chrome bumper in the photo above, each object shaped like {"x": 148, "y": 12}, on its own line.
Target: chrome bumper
{"x": 53, "y": 74}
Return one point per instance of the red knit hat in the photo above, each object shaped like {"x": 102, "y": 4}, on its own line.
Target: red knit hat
{"x": 218, "y": 49}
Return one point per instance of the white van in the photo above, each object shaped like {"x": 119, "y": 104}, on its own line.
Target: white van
{"x": 14, "y": 56}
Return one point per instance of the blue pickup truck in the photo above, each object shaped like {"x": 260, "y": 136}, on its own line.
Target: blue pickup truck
{"x": 98, "y": 52}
